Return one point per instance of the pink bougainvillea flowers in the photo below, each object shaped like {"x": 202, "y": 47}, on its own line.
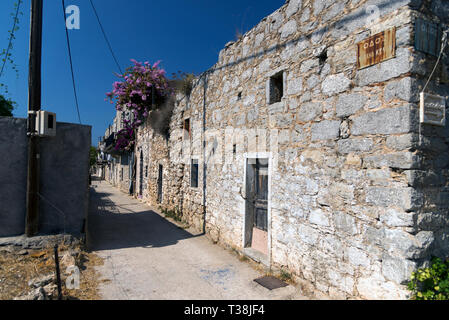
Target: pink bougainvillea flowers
{"x": 143, "y": 87}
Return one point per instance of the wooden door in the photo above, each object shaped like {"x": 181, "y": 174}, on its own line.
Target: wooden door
{"x": 256, "y": 229}
{"x": 261, "y": 196}
{"x": 159, "y": 184}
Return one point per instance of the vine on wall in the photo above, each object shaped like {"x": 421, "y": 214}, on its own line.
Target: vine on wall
{"x": 6, "y": 54}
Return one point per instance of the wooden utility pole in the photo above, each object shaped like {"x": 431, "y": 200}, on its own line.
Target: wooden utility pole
{"x": 34, "y": 105}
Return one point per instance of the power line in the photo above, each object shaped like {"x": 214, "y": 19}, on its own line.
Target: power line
{"x": 70, "y": 59}
{"x": 106, "y": 38}
{"x": 11, "y": 37}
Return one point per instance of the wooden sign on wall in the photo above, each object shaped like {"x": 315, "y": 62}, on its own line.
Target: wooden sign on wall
{"x": 376, "y": 49}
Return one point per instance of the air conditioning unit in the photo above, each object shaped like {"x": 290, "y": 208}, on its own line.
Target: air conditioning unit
{"x": 45, "y": 124}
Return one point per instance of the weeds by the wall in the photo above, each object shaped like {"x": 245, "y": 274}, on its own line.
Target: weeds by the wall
{"x": 431, "y": 283}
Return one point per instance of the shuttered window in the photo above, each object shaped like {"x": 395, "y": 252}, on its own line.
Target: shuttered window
{"x": 194, "y": 173}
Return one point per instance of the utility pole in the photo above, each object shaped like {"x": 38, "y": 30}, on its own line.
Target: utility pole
{"x": 34, "y": 105}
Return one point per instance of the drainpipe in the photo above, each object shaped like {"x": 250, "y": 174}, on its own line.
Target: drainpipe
{"x": 204, "y": 150}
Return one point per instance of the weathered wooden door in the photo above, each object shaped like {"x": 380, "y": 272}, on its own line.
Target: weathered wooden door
{"x": 257, "y": 205}
{"x": 261, "y": 196}
{"x": 159, "y": 184}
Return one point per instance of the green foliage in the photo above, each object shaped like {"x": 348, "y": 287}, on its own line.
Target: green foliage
{"x": 6, "y": 107}
{"x": 431, "y": 283}
{"x": 285, "y": 275}
{"x": 93, "y": 156}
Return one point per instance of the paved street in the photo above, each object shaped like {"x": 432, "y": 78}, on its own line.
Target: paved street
{"x": 148, "y": 257}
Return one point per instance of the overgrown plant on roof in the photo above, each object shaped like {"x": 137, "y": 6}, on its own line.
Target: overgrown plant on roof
{"x": 183, "y": 82}
{"x": 142, "y": 89}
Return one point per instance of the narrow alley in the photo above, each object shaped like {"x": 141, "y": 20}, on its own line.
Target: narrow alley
{"x": 148, "y": 257}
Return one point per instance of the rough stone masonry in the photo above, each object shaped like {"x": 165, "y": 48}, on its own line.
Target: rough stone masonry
{"x": 357, "y": 189}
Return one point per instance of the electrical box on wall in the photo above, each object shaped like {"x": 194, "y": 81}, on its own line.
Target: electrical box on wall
{"x": 432, "y": 109}
{"x": 45, "y": 124}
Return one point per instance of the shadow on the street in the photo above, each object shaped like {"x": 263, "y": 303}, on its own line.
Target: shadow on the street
{"x": 113, "y": 226}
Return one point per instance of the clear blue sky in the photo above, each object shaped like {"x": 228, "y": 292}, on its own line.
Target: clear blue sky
{"x": 186, "y": 35}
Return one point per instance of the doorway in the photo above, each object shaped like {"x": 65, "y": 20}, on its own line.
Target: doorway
{"x": 141, "y": 174}
{"x": 256, "y": 215}
{"x": 160, "y": 183}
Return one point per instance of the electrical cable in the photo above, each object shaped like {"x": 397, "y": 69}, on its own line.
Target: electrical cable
{"x": 70, "y": 59}
{"x": 11, "y": 37}
{"x": 106, "y": 38}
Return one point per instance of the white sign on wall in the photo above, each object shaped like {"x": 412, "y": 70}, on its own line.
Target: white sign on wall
{"x": 433, "y": 109}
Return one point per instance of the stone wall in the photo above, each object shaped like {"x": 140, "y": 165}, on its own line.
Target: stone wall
{"x": 64, "y": 178}
{"x": 154, "y": 150}
{"x": 163, "y": 152}
{"x": 345, "y": 202}
{"x": 430, "y": 178}
{"x": 118, "y": 170}
{"x": 186, "y": 146}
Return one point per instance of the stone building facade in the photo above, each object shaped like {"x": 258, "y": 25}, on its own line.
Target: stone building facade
{"x": 117, "y": 167}
{"x": 289, "y": 153}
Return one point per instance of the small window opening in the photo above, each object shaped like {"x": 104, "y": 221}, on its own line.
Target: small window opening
{"x": 277, "y": 88}
{"x": 234, "y": 149}
{"x": 187, "y": 127}
{"x": 51, "y": 119}
{"x": 239, "y": 96}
